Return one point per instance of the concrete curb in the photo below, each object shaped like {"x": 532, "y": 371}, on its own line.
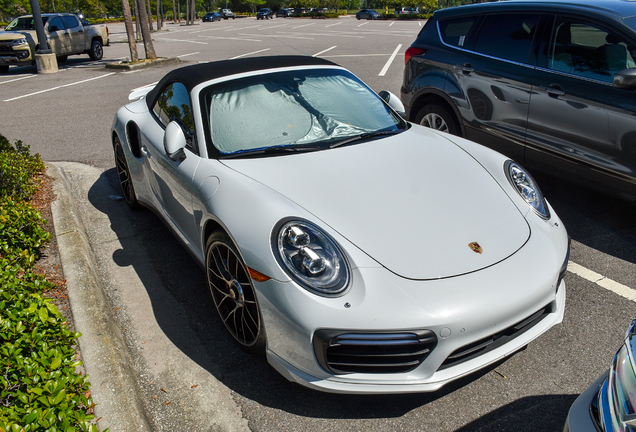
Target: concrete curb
{"x": 140, "y": 378}
{"x": 101, "y": 344}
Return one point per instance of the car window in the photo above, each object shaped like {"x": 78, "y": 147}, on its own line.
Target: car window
{"x": 24, "y": 23}
{"x": 455, "y": 31}
{"x": 70, "y": 21}
{"x": 290, "y": 109}
{"x": 507, "y": 36}
{"x": 174, "y": 104}
{"x": 586, "y": 50}
{"x": 56, "y": 22}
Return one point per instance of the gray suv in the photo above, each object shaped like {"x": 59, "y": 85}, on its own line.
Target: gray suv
{"x": 550, "y": 84}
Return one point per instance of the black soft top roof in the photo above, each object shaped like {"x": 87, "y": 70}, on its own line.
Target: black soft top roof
{"x": 191, "y": 76}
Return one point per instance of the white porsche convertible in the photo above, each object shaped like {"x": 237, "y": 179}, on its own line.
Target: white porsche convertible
{"x": 361, "y": 253}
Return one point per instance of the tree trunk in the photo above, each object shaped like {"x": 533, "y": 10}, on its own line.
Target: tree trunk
{"x": 149, "y": 15}
{"x": 158, "y": 19}
{"x": 193, "y": 11}
{"x": 125, "y": 6}
{"x": 179, "y": 9}
{"x": 174, "y": 12}
{"x": 145, "y": 31}
{"x": 187, "y": 12}
{"x": 137, "y": 26}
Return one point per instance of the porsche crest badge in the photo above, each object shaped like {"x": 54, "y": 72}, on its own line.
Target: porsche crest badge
{"x": 474, "y": 246}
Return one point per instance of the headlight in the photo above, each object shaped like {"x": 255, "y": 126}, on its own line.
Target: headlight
{"x": 527, "y": 188}
{"x": 311, "y": 258}
{"x": 17, "y": 42}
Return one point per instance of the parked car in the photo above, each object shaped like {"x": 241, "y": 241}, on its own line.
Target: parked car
{"x": 548, "y": 83}
{"x": 283, "y": 13}
{"x": 65, "y": 35}
{"x": 404, "y": 10}
{"x": 324, "y": 223}
{"x": 210, "y": 17}
{"x": 368, "y": 14}
{"x": 608, "y": 404}
{"x": 227, "y": 14}
{"x": 265, "y": 13}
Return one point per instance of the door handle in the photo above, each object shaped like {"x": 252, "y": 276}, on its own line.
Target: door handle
{"x": 145, "y": 151}
{"x": 553, "y": 90}
{"x": 465, "y": 68}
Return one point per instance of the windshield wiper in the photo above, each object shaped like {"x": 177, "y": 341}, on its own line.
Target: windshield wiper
{"x": 271, "y": 150}
{"x": 364, "y": 136}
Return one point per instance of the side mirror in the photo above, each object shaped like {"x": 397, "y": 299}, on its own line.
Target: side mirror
{"x": 174, "y": 141}
{"x": 53, "y": 28}
{"x": 625, "y": 79}
{"x": 394, "y": 102}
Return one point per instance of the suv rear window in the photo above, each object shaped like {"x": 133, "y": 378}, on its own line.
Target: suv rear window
{"x": 455, "y": 31}
{"x": 507, "y": 36}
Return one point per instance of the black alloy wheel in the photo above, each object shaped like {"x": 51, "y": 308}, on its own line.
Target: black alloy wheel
{"x": 233, "y": 293}
{"x": 123, "y": 175}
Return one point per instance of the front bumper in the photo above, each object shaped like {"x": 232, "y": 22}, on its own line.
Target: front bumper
{"x": 581, "y": 417}
{"x": 17, "y": 56}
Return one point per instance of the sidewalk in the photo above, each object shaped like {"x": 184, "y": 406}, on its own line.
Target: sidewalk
{"x": 140, "y": 380}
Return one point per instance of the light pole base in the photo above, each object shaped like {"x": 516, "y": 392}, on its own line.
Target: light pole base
{"x": 46, "y": 63}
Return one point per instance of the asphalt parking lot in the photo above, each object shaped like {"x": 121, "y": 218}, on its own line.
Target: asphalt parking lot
{"x": 66, "y": 117}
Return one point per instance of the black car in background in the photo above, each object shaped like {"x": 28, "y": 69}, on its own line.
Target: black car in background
{"x": 549, "y": 83}
{"x": 212, "y": 16}
{"x": 284, "y": 13}
{"x": 368, "y": 14}
{"x": 265, "y": 13}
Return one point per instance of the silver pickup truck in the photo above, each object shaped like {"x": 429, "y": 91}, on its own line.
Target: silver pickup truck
{"x": 65, "y": 34}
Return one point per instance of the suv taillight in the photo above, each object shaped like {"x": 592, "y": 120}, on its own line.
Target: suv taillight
{"x": 410, "y": 52}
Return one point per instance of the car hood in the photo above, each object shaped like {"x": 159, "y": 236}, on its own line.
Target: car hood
{"x": 13, "y": 35}
{"x": 414, "y": 202}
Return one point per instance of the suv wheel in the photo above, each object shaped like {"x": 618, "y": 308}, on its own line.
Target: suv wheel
{"x": 97, "y": 51}
{"x": 437, "y": 117}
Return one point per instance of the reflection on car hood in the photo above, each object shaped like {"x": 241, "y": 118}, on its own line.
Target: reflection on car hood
{"x": 414, "y": 202}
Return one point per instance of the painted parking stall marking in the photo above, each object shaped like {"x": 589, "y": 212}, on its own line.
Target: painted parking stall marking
{"x": 251, "y": 53}
{"x": 602, "y": 281}
{"x": 59, "y": 87}
{"x": 388, "y": 63}
{"x": 324, "y": 51}
{"x": 18, "y": 79}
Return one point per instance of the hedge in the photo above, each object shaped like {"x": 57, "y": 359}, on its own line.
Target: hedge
{"x": 40, "y": 389}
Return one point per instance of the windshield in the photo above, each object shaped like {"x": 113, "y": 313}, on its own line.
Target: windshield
{"x": 23, "y": 23}
{"x": 293, "y": 109}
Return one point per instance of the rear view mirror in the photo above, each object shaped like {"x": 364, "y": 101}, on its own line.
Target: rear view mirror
{"x": 625, "y": 79}
{"x": 174, "y": 141}
{"x": 394, "y": 102}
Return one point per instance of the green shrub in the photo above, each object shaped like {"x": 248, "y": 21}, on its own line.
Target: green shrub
{"x": 40, "y": 389}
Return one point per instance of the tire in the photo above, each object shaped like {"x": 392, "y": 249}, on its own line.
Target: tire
{"x": 123, "y": 175}
{"x": 97, "y": 50}
{"x": 233, "y": 293}
{"x": 357, "y": 17}
{"x": 437, "y": 117}
{"x": 62, "y": 59}
{"x": 4, "y": 68}
{"x": 233, "y": 17}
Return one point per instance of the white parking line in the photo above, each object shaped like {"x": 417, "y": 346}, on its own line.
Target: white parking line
{"x": 363, "y": 24}
{"x": 388, "y": 63}
{"x": 392, "y": 22}
{"x": 324, "y": 51}
{"x": 602, "y": 281}
{"x": 323, "y": 34}
{"x": 278, "y": 36}
{"x": 304, "y": 25}
{"x": 181, "y": 40}
{"x": 281, "y": 25}
{"x": 247, "y": 54}
{"x": 231, "y": 38}
{"x": 331, "y": 25}
{"x": 186, "y": 55}
{"x": 18, "y": 79}
{"x": 58, "y": 87}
